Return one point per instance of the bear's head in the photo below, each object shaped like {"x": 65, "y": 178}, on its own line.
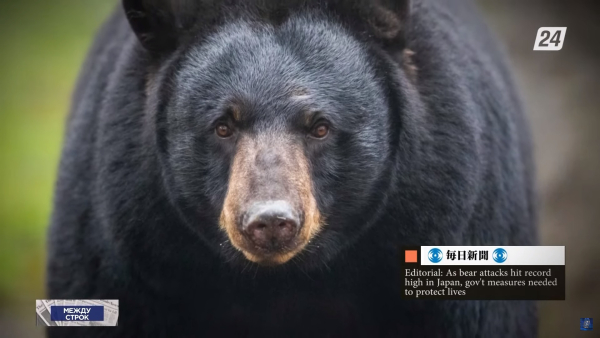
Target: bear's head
{"x": 276, "y": 122}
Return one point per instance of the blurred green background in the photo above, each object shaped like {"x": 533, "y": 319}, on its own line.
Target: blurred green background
{"x": 42, "y": 47}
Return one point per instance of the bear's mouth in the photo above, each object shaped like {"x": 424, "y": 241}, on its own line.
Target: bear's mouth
{"x": 270, "y": 213}
{"x": 271, "y": 258}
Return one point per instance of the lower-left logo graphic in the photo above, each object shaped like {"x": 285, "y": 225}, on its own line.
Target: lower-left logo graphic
{"x": 79, "y": 312}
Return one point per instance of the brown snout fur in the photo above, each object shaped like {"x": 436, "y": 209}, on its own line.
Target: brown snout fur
{"x": 269, "y": 167}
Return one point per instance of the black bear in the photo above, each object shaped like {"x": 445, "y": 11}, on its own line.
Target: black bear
{"x": 250, "y": 168}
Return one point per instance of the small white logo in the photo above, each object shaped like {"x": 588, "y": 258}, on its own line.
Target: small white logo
{"x": 550, "y": 38}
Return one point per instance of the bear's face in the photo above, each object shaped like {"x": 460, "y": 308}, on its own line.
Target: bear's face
{"x": 281, "y": 136}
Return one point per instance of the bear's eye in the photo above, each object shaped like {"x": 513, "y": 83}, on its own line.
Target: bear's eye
{"x": 223, "y": 130}
{"x": 320, "y": 130}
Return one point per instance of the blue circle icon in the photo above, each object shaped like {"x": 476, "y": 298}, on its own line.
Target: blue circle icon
{"x": 435, "y": 255}
{"x": 500, "y": 255}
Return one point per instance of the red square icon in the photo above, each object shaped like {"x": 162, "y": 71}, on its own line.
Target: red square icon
{"x": 410, "y": 256}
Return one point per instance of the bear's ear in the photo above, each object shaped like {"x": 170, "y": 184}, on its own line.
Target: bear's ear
{"x": 388, "y": 19}
{"x": 161, "y": 24}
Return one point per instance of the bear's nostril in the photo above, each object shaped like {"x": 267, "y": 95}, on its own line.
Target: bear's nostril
{"x": 271, "y": 226}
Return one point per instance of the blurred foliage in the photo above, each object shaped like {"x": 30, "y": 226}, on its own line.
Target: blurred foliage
{"x": 42, "y": 46}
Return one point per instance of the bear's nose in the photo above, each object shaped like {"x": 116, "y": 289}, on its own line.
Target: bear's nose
{"x": 271, "y": 226}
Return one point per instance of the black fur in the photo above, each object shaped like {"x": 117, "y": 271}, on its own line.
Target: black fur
{"x": 442, "y": 159}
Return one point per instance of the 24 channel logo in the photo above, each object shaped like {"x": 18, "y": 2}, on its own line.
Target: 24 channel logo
{"x": 550, "y": 38}
{"x": 500, "y": 255}
{"x": 435, "y": 255}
